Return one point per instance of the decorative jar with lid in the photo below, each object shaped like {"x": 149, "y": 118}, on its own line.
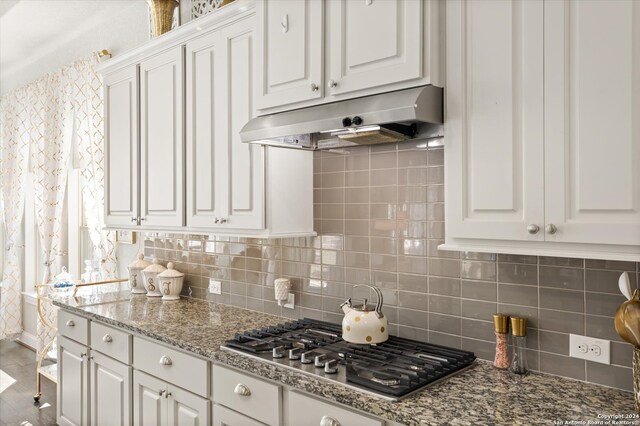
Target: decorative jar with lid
{"x": 135, "y": 275}
{"x": 150, "y": 274}
{"x": 170, "y": 282}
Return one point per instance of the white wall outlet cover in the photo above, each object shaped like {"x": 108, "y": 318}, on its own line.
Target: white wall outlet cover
{"x": 590, "y": 348}
{"x": 215, "y": 287}
{"x": 291, "y": 302}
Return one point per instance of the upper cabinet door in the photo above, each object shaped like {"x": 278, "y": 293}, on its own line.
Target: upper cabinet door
{"x": 372, "y": 43}
{"x": 243, "y": 166}
{"x": 592, "y": 121}
{"x": 204, "y": 113}
{"x": 162, "y": 140}
{"x": 121, "y": 147}
{"x": 289, "y": 52}
{"x": 494, "y": 125}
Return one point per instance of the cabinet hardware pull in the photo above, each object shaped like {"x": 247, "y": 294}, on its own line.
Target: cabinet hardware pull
{"x": 551, "y": 229}
{"x": 216, "y": 220}
{"x": 533, "y": 229}
{"x": 329, "y": 421}
{"x": 107, "y": 338}
{"x": 142, "y": 218}
{"x": 223, "y": 220}
{"x": 165, "y": 360}
{"x": 161, "y": 391}
{"x": 70, "y": 323}
{"x": 285, "y": 23}
{"x": 242, "y": 390}
{"x": 82, "y": 355}
{"x": 332, "y": 84}
{"x": 167, "y": 395}
{"x": 314, "y": 87}
{"x": 90, "y": 358}
{"x": 368, "y": 2}
{"x": 134, "y": 219}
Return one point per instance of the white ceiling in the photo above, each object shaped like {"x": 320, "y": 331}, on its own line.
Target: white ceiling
{"x": 38, "y": 36}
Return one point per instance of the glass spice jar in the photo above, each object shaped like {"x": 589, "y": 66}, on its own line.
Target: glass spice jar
{"x": 501, "y": 326}
{"x": 519, "y": 330}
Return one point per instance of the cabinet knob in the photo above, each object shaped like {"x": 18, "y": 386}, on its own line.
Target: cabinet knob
{"x": 551, "y": 229}
{"x": 168, "y": 395}
{"x": 242, "y": 390}
{"x": 533, "y": 229}
{"x": 165, "y": 360}
{"x": 216, "y": 220}
{"x": 329, "y": 421}
{"x": 223, "y": 220}
{"x": 134, "y": 219}
{"x": 70, "y": 323}
{"x": 142, "y": 218}
{"x": 314, "y": 87}
{"x": 161, "y": 391}
{"x": 107, "y": 338}
{"x": 82, "y": 355}
{"x": 332, "y": 83}
{"x": 285, "y": 23}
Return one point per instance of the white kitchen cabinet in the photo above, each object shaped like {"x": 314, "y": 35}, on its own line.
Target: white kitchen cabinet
{"x": 541, "y": 128}
{"x": 162, "y": 139}
{"x": 306, "y": 410}
{"x": 373, "y": 43}
{"x": 110, "y": 391}
{"x": 592, "y": 121}
{"x": 359, "y": 48}
{"x": 494, "y": 121}
{"x": 222, "y": 416}
{"x": 73, "y": 383}
{"x": 149, "y": 401}
{"x": 157, "y": 403}
{"x": 289, "y": 52}
{"x": 225, "y": 177}
{"x": 121, "y": 147}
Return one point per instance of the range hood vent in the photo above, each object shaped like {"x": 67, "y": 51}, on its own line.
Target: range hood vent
{"x": 385, "y": 118}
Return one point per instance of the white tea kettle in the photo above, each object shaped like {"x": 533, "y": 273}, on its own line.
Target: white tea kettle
{"x": 363, "y": 326}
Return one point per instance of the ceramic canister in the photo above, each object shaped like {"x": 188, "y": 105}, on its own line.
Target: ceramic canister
{"x": 150, "y": 274}
{"x": 135, "y": 275}
{"x": 170, "y": 282}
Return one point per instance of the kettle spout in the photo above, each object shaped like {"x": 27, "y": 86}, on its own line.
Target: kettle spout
{"x": 346, "y": 306}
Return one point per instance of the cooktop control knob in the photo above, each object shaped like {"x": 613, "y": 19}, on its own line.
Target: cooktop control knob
{"x": 346, "y": 122}
{"x": 331, "y": 366}
{"x": 356, "y": 120}
{"x": 295, "y": 353}
{"x": 278, "y": 352}
{"x": 319, "y": 360}
{"x": 307, "y": 357}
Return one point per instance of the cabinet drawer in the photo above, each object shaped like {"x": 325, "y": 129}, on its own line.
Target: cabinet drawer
{"x": 111, "y": 342}
{"x": 304, "y": 410}
{"x": 73, "y": 326}
{"x": 172, "y": 366}
{"x": 263, "y": 398}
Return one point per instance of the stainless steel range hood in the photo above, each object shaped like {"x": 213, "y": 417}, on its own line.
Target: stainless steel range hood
{"x": 389, "y": 117}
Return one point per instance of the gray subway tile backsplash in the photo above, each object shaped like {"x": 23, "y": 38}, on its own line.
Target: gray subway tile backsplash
{"x": 379, "y": 214}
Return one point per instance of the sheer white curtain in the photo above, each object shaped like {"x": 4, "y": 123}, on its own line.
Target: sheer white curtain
{"x": 14, "y": 149}
{"x": 39, "y": 124}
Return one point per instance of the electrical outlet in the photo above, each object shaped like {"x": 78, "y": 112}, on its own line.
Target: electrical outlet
{"x": 215, "y": 287}
{"x": 589, "y": 348}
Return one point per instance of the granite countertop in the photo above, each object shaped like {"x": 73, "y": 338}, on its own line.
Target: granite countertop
{"x": 480, "y": 395}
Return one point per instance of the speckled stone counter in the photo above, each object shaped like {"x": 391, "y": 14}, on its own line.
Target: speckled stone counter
{"x": 480, "y": 395}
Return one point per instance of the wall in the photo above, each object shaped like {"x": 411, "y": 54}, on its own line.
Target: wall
{"x": 380, "y": 217}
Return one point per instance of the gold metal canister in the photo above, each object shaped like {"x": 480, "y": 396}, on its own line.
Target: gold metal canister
{"x": 162, "y": 12}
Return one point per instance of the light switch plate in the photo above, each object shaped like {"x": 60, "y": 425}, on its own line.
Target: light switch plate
{"x": 590, "y": 348}
{"x": 215, "y": 287}
{"x": 291, "y": 302}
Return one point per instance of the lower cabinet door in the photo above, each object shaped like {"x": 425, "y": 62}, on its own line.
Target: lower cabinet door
{"x": 308, "y": 411}
{"x": 72, "y": 387}
{"x": 110, "y": 383}
{"x": 186, "y": 409}
{"x": 149, "y": 400}
{"x": 223, "y": 416}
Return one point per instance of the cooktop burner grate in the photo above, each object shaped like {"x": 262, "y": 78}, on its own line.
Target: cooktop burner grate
{"x": 392, "y": 369}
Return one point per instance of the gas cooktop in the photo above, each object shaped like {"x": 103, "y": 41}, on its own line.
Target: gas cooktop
{"x": 391, "y": 370}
